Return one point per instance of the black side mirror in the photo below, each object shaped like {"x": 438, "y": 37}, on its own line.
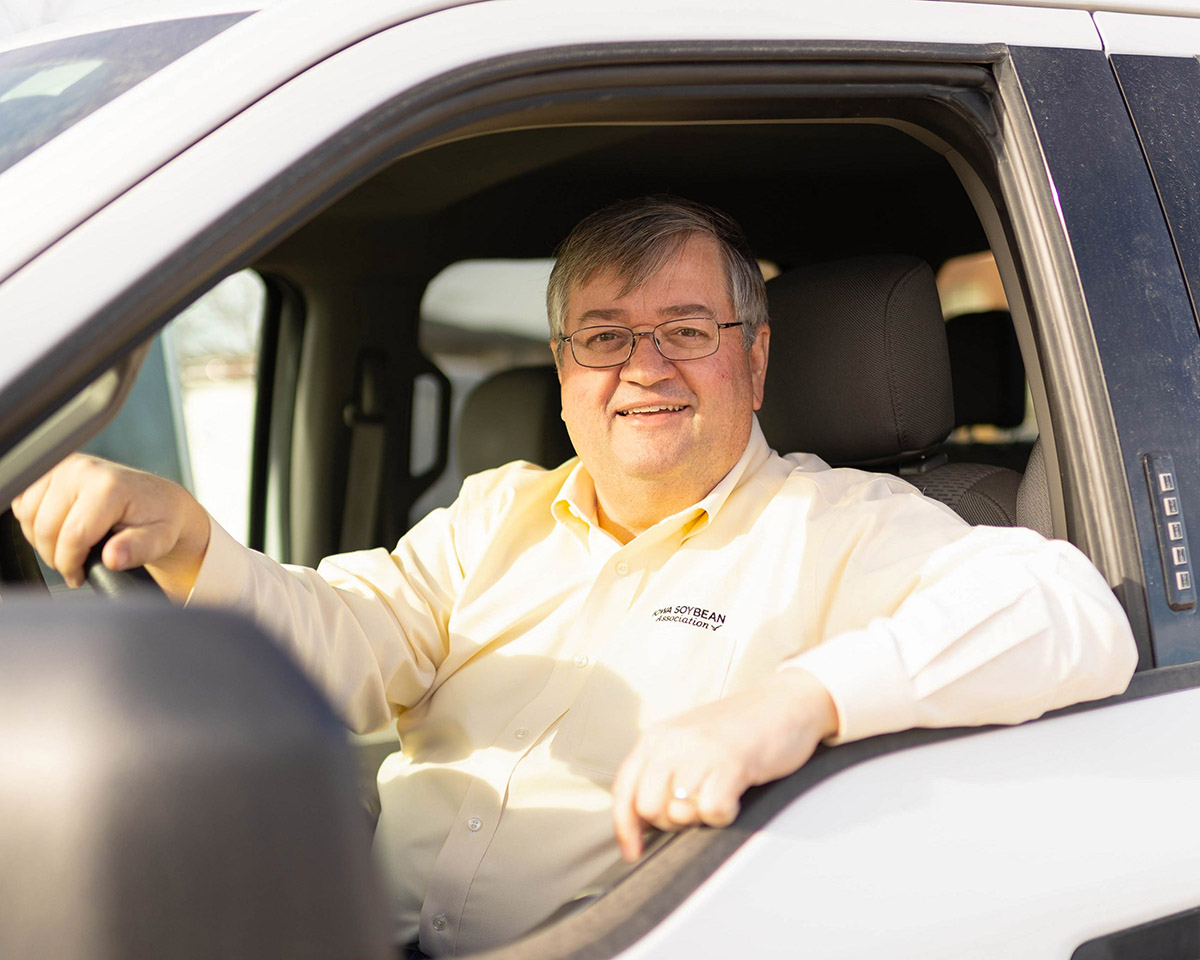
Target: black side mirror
{"x": 172, "y": 787}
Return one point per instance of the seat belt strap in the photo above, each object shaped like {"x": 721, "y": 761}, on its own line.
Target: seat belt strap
{"x": 368, "y": 434}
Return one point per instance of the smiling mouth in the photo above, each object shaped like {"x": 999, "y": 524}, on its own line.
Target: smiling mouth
{"x": 657, "y": 408}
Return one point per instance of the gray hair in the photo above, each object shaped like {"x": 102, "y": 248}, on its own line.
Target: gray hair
{"x": 635, "y": 239}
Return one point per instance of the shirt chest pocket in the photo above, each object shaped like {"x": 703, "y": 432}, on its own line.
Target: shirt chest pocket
{"x": 640, "y": 678}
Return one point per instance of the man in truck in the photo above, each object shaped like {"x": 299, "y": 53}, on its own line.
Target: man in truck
{"x": 632, "y": 639}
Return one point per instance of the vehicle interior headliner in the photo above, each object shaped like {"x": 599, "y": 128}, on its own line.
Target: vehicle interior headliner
{"x": 803, "y": 191}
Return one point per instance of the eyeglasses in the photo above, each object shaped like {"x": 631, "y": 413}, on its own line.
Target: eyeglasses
{"x": 689, "y": 338}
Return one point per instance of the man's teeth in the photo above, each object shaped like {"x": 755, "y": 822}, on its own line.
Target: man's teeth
{"x": 657, "y": 409}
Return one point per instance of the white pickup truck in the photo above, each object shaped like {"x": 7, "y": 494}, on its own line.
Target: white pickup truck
{"x": 166, "y": 799}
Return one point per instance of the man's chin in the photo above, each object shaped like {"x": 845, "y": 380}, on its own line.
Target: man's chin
{"x": 652, "y": 462}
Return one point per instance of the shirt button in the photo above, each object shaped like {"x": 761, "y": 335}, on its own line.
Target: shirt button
{"x": 439, "y": 922}
{"x": 474, "y": 824}
{"x": 580, "y": 660}
{"x": 520, "y": 733}
{"x": 622, "y": 568}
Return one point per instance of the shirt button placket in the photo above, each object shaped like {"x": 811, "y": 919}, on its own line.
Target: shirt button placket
{"x": 457, "y": 863}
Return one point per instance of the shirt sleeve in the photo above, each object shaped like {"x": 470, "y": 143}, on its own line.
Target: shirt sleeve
{"x": 369, "y": 628}
{"x": 960, "y": 625}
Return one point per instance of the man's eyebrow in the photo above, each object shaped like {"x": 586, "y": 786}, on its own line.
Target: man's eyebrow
{"x": 610, "y": 314}
{"x": 686, "y": 310}
{"x": 613, "y": 314}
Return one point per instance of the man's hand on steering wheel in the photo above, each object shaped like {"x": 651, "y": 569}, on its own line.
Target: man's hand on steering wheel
{"x": 156, "y": 524}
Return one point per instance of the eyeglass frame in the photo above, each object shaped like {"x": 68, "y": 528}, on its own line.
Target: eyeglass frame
{"x": 633, "y": 340}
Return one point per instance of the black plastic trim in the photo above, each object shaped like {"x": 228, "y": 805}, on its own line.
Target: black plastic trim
{"x": 18, "y": 562}
{"x": 1134, "y": 292}
{"x": 1176, "y": 937}
{"x": 1094, "y": 485}
{"x": 1161, "y": 93}
{"x": 280, "y": 353}
{"x": 264, "y": 394}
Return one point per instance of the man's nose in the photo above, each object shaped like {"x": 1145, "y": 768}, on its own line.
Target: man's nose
{"x": 646, "y": 364}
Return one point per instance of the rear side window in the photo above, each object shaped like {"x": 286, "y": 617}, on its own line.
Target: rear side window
{"x": 48, "y": 87}
{"x": 477, "y": 317}
{"x": 993, "y": 409}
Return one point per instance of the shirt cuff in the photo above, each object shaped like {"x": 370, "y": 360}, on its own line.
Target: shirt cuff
{"x": 223, "y": 572}
{"x": 866, "y": 679}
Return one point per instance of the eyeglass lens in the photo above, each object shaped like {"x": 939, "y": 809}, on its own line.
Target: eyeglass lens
{"x": 685, "y": 339}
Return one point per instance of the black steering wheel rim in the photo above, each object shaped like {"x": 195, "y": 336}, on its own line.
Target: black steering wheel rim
{"x": 117, "y": 584}
{"x": 20, "y": 570}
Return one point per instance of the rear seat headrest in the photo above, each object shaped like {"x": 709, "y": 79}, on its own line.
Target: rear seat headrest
{"x": 513, "y": 415}
{"x": 859, "y": 370}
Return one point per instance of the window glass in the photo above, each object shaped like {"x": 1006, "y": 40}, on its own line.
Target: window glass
{"x": 47, "y": 87}
{"x": 190, "y": 414}
{"x": 490, "y": 297}
{"x": 147, "y": 431}
{"x": 213, "y": 347}
{"x": 477, "y": 317}
{"x": 993, "y": 407}
{"x": 970, "y": 284}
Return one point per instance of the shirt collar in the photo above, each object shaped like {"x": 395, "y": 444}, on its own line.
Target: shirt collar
{"x": 576, "y": 500}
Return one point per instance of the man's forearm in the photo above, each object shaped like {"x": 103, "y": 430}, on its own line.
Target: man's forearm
{"x": 346, "y": 634}
{"x": 1003, "y": 629}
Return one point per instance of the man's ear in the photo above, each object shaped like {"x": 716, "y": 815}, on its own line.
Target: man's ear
{"x": 758, "y": 363}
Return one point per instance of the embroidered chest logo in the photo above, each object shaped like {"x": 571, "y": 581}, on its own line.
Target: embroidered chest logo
{"x": 692, "y": 616}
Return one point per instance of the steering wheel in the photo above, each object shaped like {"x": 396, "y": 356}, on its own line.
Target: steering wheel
{"x": 117, "y": 584}
{"x": 19, "y": 567}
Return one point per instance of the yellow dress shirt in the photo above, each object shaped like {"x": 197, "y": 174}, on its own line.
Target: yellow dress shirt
{"x": 519, "y": 649}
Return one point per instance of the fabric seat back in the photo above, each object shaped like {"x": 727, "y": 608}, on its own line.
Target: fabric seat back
{"x": 860, "y": 375}
{"x": 513, "y": 415}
